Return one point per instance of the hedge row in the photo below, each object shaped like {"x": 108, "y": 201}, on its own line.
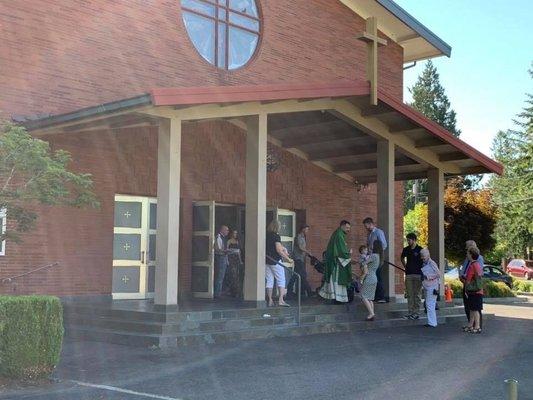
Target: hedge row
{"x": 523, "y": 286}
{"x": 31, "y": 335}
{"x": 490, "y": 288}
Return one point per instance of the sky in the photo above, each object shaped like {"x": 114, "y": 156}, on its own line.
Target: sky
{"x": 486, "y": 78}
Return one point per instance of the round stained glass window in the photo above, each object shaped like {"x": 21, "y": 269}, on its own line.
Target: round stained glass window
{"x": 225, "y": 32}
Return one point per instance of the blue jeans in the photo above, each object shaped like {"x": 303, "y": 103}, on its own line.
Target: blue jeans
{"x": 221, "y": 265}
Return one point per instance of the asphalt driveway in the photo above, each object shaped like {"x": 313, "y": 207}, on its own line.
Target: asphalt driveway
{"x": 404, "y": 363}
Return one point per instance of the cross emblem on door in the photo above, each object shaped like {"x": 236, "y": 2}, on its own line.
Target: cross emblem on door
{"x": 127, "y": 214}
{"x": 125, "y": 279}
{"x": 126, "y": 246}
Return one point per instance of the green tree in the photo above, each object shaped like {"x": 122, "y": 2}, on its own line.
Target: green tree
{"x": 469, "y": 215}
{"x": 416, "y": 221}
{"x": 430, "y": 99}
{"x": 513, "y": 191}
{"x": 31, "y": 174}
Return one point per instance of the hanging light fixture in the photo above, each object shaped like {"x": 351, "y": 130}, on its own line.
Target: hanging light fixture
{"x": 360, "y": 186}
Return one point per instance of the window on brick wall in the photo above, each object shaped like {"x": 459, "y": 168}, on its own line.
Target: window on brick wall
{"x": 225, "y": 32}
{"x": 3, "y": 224}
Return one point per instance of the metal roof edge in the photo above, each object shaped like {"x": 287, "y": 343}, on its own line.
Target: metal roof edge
{"x": 105, "y": 108}
{"x": 416, "y": 25}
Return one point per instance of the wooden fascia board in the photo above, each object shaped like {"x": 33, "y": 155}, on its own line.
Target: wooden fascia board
{"x": 260, "y": 93}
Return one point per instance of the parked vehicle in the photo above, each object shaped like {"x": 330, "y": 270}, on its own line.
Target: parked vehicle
{"x": 496, "y": 274}
{"x": 452, "y": 273}
{"x": 489, "y": 272}
{"x": 519, "y": 268}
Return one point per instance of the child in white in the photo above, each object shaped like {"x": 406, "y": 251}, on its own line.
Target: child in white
{"x": 431, "y": 285}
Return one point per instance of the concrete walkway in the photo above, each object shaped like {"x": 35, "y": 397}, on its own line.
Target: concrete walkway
{"x": 407, "y": 363}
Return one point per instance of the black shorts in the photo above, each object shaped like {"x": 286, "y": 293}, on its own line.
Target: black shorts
{"x": 475, "y": 301}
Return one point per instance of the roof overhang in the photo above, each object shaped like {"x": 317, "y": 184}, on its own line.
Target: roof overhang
{"x": 330, "y": 124}
{"x": 418, "y": 41}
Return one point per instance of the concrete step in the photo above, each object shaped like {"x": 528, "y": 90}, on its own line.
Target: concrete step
{"x": 151, "y": 327}
{"x": 188, "y": 339}
{"x": 76, "y": 310}
{"x": 78, "y": 333}
{"x": 348, "y": 322}
{"x": 246, "y": 320}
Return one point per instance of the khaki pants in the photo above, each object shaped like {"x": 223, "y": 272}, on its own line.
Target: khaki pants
{"x": 413, "y": 286}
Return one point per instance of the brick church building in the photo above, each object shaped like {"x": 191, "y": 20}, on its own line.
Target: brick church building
{"x": 194, "y": 113}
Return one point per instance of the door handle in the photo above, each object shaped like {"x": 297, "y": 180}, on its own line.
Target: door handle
{"x": 142, "y": 256}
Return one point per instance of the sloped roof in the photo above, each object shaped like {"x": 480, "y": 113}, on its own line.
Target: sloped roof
{"x": 400, "y": 118}
{"x": 417, "y": 40}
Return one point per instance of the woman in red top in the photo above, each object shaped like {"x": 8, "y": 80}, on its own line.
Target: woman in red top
{"x": 475, "y": 299}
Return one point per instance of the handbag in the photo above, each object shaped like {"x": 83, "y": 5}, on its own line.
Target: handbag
{"x": 475, "y": 285}
{"x": 356, "y": 286}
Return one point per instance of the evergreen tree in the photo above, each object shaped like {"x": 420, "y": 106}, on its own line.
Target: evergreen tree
{"x": 430, "y": 99}
{"x": 513, "y": 191}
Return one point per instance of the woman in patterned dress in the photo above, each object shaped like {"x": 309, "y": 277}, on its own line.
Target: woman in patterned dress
{"x": 369, "y": 279}
{"x": 235, "y": 271}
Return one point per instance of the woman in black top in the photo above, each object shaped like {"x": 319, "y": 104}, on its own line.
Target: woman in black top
{"x": 275, "y": 252}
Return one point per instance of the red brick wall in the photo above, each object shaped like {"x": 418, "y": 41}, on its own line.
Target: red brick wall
{"x": 213, "y": 168}
{"x": 62, "y": 55}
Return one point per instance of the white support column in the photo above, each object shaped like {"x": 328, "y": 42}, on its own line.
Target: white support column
{"x": 385, "y": 200}
{"x": 436, "y": 218}
{"x": 168, "y": 212}
{"x": 256, "y": 153}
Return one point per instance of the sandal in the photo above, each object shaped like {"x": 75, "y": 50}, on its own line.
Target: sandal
{"x": 467, "y": 329}
{"x": 370, "y": 318}
{"x": 284, "y": 305}
{"x": 475, "y": 331}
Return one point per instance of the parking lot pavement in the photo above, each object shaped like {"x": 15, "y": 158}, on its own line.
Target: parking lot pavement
{"x": 404, "y": 363}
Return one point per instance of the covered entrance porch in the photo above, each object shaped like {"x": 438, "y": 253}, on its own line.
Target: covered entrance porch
{"x": 333, "y": 126}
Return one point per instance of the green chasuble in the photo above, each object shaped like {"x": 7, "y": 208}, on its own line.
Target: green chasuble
{"x": 336, "y": 249}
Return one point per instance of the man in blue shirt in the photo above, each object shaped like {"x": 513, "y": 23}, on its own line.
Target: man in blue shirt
{"x": 376, "y": 234}
{"x": 462, "y": 274}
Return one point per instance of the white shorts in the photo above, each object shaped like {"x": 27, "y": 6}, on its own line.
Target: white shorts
{"x": 274, "y": 272}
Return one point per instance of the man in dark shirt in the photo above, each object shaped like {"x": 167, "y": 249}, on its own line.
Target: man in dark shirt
{"x": 412, "y": 263}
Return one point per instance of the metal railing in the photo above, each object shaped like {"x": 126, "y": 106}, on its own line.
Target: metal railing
{"x": 11, "y": 279}
{"x": 395, "y": 266}
{"x": 299, "y": 293}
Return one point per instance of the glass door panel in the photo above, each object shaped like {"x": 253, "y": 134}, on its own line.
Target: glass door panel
{"x": 133, "y": 241}
{"x": 202, "y": 249}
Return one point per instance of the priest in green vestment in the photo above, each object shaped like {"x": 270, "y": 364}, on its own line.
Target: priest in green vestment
{"x": 338, "y": 270}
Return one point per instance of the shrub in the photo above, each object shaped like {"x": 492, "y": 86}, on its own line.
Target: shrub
{"x": 490, "y": 288}
{"x": 523, "y": 286}
{"x": 457, "y": 287}
{"x": 496, "y": 289}
{"x": 31, "y": 335}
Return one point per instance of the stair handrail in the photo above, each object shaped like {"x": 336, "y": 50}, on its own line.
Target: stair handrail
{"x": 10, "y": 279}
{"x": 395, "y": 266}
{"x": 298, "y": 276}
